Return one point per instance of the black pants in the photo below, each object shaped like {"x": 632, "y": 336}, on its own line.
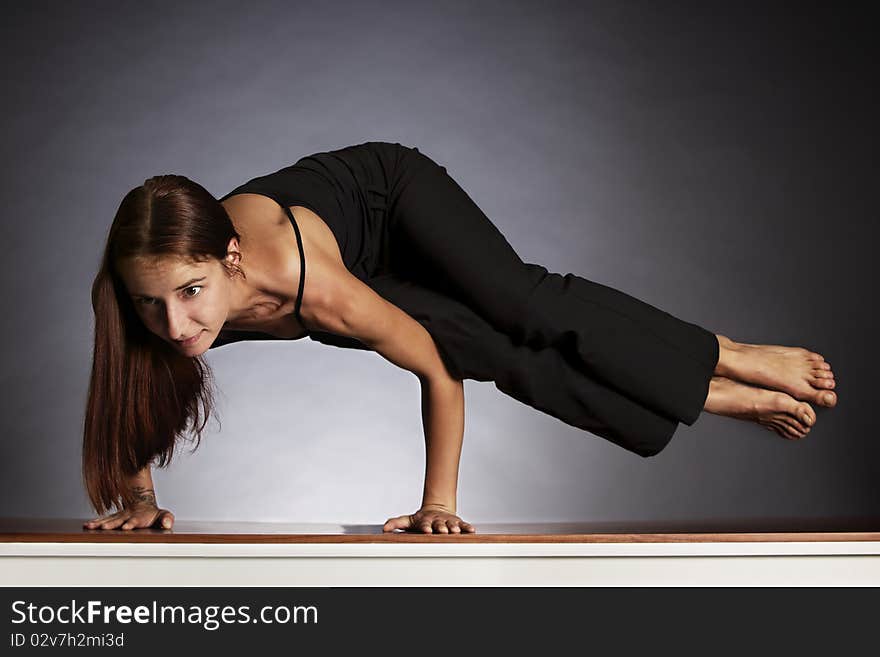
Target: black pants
{"x": 590, "y": 355}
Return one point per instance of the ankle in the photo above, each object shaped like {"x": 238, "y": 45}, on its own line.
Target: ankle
{"x": 728, "y": 352}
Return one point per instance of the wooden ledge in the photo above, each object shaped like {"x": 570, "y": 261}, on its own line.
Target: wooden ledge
{"x": 66, "y": 530}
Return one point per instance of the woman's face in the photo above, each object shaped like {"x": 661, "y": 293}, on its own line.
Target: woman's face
{"x": 177, "y": 300}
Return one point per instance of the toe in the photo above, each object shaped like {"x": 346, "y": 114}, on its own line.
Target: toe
{"x": 796, "y": 428}
{"x": 775, "y": 429}
{"x": 806, "y": 415}
{"x": 818, "y": 397}
{"x": 822, "y": 381}
{"x": 793, "y": 412}
{"x": 827, "y": 399}
{"x": 789, "y": 428}
{"x": 779, "y": 427}
{"x": 799, "y": 419}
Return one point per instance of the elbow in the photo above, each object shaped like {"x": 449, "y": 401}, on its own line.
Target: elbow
{"x": 439, "y": 378}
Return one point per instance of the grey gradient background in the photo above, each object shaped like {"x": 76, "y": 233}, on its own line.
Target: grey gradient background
{"x": 717, "y": 162}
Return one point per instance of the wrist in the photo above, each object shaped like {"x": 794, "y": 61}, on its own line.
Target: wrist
{"x": 439, "y": 506}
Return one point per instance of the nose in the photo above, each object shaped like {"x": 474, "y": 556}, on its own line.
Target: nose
{"x": 177, "y": 322}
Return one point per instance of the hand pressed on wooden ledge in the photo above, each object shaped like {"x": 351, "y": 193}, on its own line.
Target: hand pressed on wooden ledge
{"x": 135, "y": 517}
{"x": 430, "y": 519}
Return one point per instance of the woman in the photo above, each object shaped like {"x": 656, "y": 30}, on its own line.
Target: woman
{"x": 400, "y": 261}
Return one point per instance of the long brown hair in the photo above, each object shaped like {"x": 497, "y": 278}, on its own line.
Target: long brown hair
{"x": 143, "y": 394}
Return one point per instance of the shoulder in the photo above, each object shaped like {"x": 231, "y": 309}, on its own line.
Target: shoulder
{"x": 257, "y": 219}
{"x": 266, "y": 227}
{"x": 249, "y": 203}
{"x": 317, "y": 232}
{"x": 258, "y": 212}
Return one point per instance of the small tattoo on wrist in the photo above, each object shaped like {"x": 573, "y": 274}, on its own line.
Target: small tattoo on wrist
{"x": 144, "y": 495}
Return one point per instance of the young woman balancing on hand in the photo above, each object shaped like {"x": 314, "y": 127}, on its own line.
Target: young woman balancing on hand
{"x": 375, "y": 246}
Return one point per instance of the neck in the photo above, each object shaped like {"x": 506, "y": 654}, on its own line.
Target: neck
{"x": 253, "y": 306}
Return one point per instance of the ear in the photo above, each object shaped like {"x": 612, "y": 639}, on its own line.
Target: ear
{"x": 233, "y": 252}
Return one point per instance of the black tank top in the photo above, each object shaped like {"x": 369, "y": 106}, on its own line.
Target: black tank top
{"x": 349, "y": 188}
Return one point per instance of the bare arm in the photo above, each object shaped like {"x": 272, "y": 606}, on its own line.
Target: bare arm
{"x": 443, "y": 421}
{"x": 142, "y": 485}
{"x": 346, "y": 306}
{"x": 353, "y": 309}
{"x": 144, "y": 513}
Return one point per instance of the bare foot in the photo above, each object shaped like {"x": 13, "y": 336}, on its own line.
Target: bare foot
{"x": 777, "y": 411}
{"x": 801, "y": 373}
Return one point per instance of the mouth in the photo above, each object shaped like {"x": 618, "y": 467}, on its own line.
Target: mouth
{"x": 189, "y": 341}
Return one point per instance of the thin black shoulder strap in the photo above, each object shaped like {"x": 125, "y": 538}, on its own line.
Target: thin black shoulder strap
{"x": 302, "y": 265}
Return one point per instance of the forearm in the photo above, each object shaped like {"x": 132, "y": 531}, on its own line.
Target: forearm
{"x": 352, "y": 309}
{"x": 141, "y": 486}
{"x": 443, "y": 420}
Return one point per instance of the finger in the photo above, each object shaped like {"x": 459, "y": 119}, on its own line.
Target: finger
{"x": 104, "y": 523}
{"x": 400, "y": 522}
{"x": 453, "y": 527}
{"x": 139, "y": 520}
{"x": 425, "y": 525}
{"x": 405, "y": 523}
{"x": 113, "y": 523}
{"x": 439, "y": 526}
{"x": 166, "y": 520}
{"x": 98, "y": 521}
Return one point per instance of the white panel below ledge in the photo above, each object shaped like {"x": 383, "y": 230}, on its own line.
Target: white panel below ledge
{"x": 493, "y": 564}
{"x": 453, "y": 549}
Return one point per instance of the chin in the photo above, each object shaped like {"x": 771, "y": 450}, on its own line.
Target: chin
{"x": 197, "y": 347}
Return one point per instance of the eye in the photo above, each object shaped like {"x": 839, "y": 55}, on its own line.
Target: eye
{"x": 147, "y": 301}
